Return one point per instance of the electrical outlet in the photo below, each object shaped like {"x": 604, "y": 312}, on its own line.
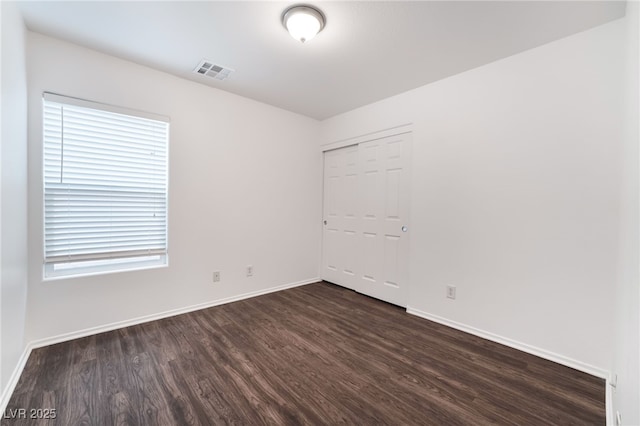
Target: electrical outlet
{"x": 216, "y": 276}
{"x": 249, "y": 270}
{"x": 451, "y": 292}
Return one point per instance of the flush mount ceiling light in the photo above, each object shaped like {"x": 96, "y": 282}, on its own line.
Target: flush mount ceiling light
{"x": 303, "y": 22}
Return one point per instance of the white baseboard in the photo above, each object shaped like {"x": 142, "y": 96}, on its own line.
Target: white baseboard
{"x": 608, "y": 400}
{"x": 551, "y": 356}
{"x": 8, "y": 391}
{"x": 542, "y": 353}
{"x": 560, "y": 359}
{"x": 13, "y": 380}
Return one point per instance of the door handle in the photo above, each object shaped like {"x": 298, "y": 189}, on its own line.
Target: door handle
{"x": 404, "y": 228}
{"x": 325, "y": 222}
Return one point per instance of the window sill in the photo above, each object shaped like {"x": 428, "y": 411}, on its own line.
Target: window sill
{"x": 61, "y": 271}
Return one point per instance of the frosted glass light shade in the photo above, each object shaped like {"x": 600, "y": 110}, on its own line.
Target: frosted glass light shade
{"x": 303, "y": 22}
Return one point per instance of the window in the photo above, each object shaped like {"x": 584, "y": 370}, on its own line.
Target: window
{"x": 105, "y": 188}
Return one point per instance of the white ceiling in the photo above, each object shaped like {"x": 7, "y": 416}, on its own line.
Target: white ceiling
{"x": 368, "y": 50}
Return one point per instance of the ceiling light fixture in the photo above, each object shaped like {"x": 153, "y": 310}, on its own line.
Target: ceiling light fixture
{"x": 303, "y": 22}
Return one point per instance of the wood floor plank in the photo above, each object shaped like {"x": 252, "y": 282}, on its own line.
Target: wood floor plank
{"x": 316, "y": 354}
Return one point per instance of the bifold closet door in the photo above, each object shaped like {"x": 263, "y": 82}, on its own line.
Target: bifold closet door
{"x": 366, "y": 206}
{"x": 340, "y": 250}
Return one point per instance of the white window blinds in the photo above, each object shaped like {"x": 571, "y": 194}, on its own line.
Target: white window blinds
{"x": 105, "y": 182}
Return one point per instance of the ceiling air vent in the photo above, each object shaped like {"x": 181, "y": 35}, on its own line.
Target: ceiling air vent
{"x": 212, "y": 70}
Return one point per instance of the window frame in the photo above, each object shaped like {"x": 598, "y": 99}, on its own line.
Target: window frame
{"x": 80, "y": 268}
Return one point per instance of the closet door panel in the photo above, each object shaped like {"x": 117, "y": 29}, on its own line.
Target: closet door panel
{"x": 366, "y": 207}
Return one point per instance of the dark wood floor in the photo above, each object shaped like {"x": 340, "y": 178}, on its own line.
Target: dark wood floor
{"x": 317, "y": 354}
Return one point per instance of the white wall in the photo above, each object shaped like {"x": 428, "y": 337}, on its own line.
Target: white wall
{"x": 626, "y": 396}
{"x": 13, "y": 199}
{"x": 515, "y": 193}
{"x": 516, "y": 196}
{"x": 245, "y": 188}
